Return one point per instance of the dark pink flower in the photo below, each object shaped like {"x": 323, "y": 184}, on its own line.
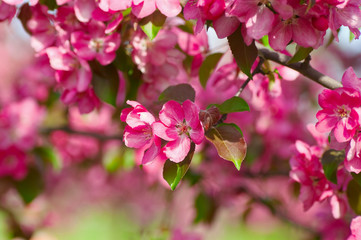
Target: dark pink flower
{"x": 95, "y": 44}
{"x": 12, "y": 163}
{"x": 179, "y": 124}
{"x": 340, "y": 112}
{"x": 306, "y": 169}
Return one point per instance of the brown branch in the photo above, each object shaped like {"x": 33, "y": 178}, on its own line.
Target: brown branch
{"x": 304, "y": 69}
{"x": 98, "y": 136}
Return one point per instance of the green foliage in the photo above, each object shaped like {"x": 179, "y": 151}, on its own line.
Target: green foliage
{"x": 49, "y": 155}
{"x": 206, "y": 208}
{"x": 151, "y": 30}
{"x": 174, "y": 172}
{"x": 330, "y": 160}
{"x": 354, "y": 196}
{"x": 51, "y": 4}
{"x": 179, "y": 93}
{"x": 356, "y": 177}
{"x": 105, "y": 82}
{"x": 229, "y": 142}
{"x": 31, "y": 186}
{"x": 300, "y": 54}
{"x": 234, "y": 104}
{"x": 207, "y": 67}
{"x": 244, "y": 55}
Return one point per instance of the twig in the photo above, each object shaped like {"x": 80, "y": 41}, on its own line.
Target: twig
{"x": 304, "y": 69}
{"x": 256, "y": 70}
{"x": 98, "y": 136}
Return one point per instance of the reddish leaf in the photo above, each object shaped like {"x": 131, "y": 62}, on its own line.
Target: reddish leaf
{"x": 229, "y": 142}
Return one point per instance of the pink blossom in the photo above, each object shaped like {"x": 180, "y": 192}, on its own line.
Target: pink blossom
{"x": 86, "y": 100}
{"x": 74, "y": 148}
{"x": 179, "y": 124}
{"x": 256, "y": 16}
{"x": 95, "y": 44}
{"x": 114, "y": 5}
{"x": 203, "y": 10}
{"x": 19, "y": 123}
{"x": 347, "y": 14}
{"x": 355, "y": 229}
{"x": 139, "y": 132}
{"x": 12, "y": 163}
{"x": 340, "y": 113}
{"x": 143, "y": 8}
{"x": 353, "y": 155}
{"x": 72, "y": 72}
{"x": 43, "y": 31}
{"x": 306, "y": 169}
{"x": 7, "y": 12}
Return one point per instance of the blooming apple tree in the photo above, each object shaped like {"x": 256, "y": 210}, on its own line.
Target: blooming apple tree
{"x": 184, "y": 106}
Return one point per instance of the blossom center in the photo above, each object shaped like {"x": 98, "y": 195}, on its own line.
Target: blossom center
{"x": 97, "y": 44}
{"x": 182, "y": 128}
{"x": 342, "y": 112}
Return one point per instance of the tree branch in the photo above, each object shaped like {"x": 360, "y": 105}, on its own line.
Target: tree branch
{"x": 304, "y": 69}
{"x": 98, "y": 136}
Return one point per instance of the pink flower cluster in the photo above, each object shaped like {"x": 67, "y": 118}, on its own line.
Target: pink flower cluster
{"x": 283, "y": 20}
{"x": 307, "y": 170}
{"x": 178, "y": 124}
{"x": 19, "y": 123}
{"x": 341, "y": 114}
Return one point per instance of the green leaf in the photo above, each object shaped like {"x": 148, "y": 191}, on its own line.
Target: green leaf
{"x": 207, "y": 67}
{"x": 31, "y": 186}
{"x": 105, "y": 82}
{"x": 330, "y": 160}
{"x": 174, "y": 172}
{"x": 352, "y": 36}
{"x": 50, "y": 155}
{"x": 356, "y": 177}
{"x": 354, "y": 196}
{"x": 229, "y": 142}
{"x": 300, "y": 55}
{"x": 265, "y": 41}
{"x": 112, "y": 159}
{"x": 244, "y": 55}
{"x": 206, "y": 208}
{"x": 51, "y": 4}
{"x": 179, "y": 93}
{"x": 234, "y": 104}
{"x": 151, "y": 30}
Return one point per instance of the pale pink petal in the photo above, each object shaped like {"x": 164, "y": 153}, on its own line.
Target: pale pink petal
{"x": 170, "y": 8}
{"x": 280, "y": 36}
{"x": 84, "y": 76}
{"x": 164, "y": 132}
{"x": 350, "y": 80}
{"x": 356, "y": 227}
{"x": 177, "y": 150}
{"x": 260, "y": 23}
{"x": 84, "y": 9}
{"x": 144, "y": 9}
